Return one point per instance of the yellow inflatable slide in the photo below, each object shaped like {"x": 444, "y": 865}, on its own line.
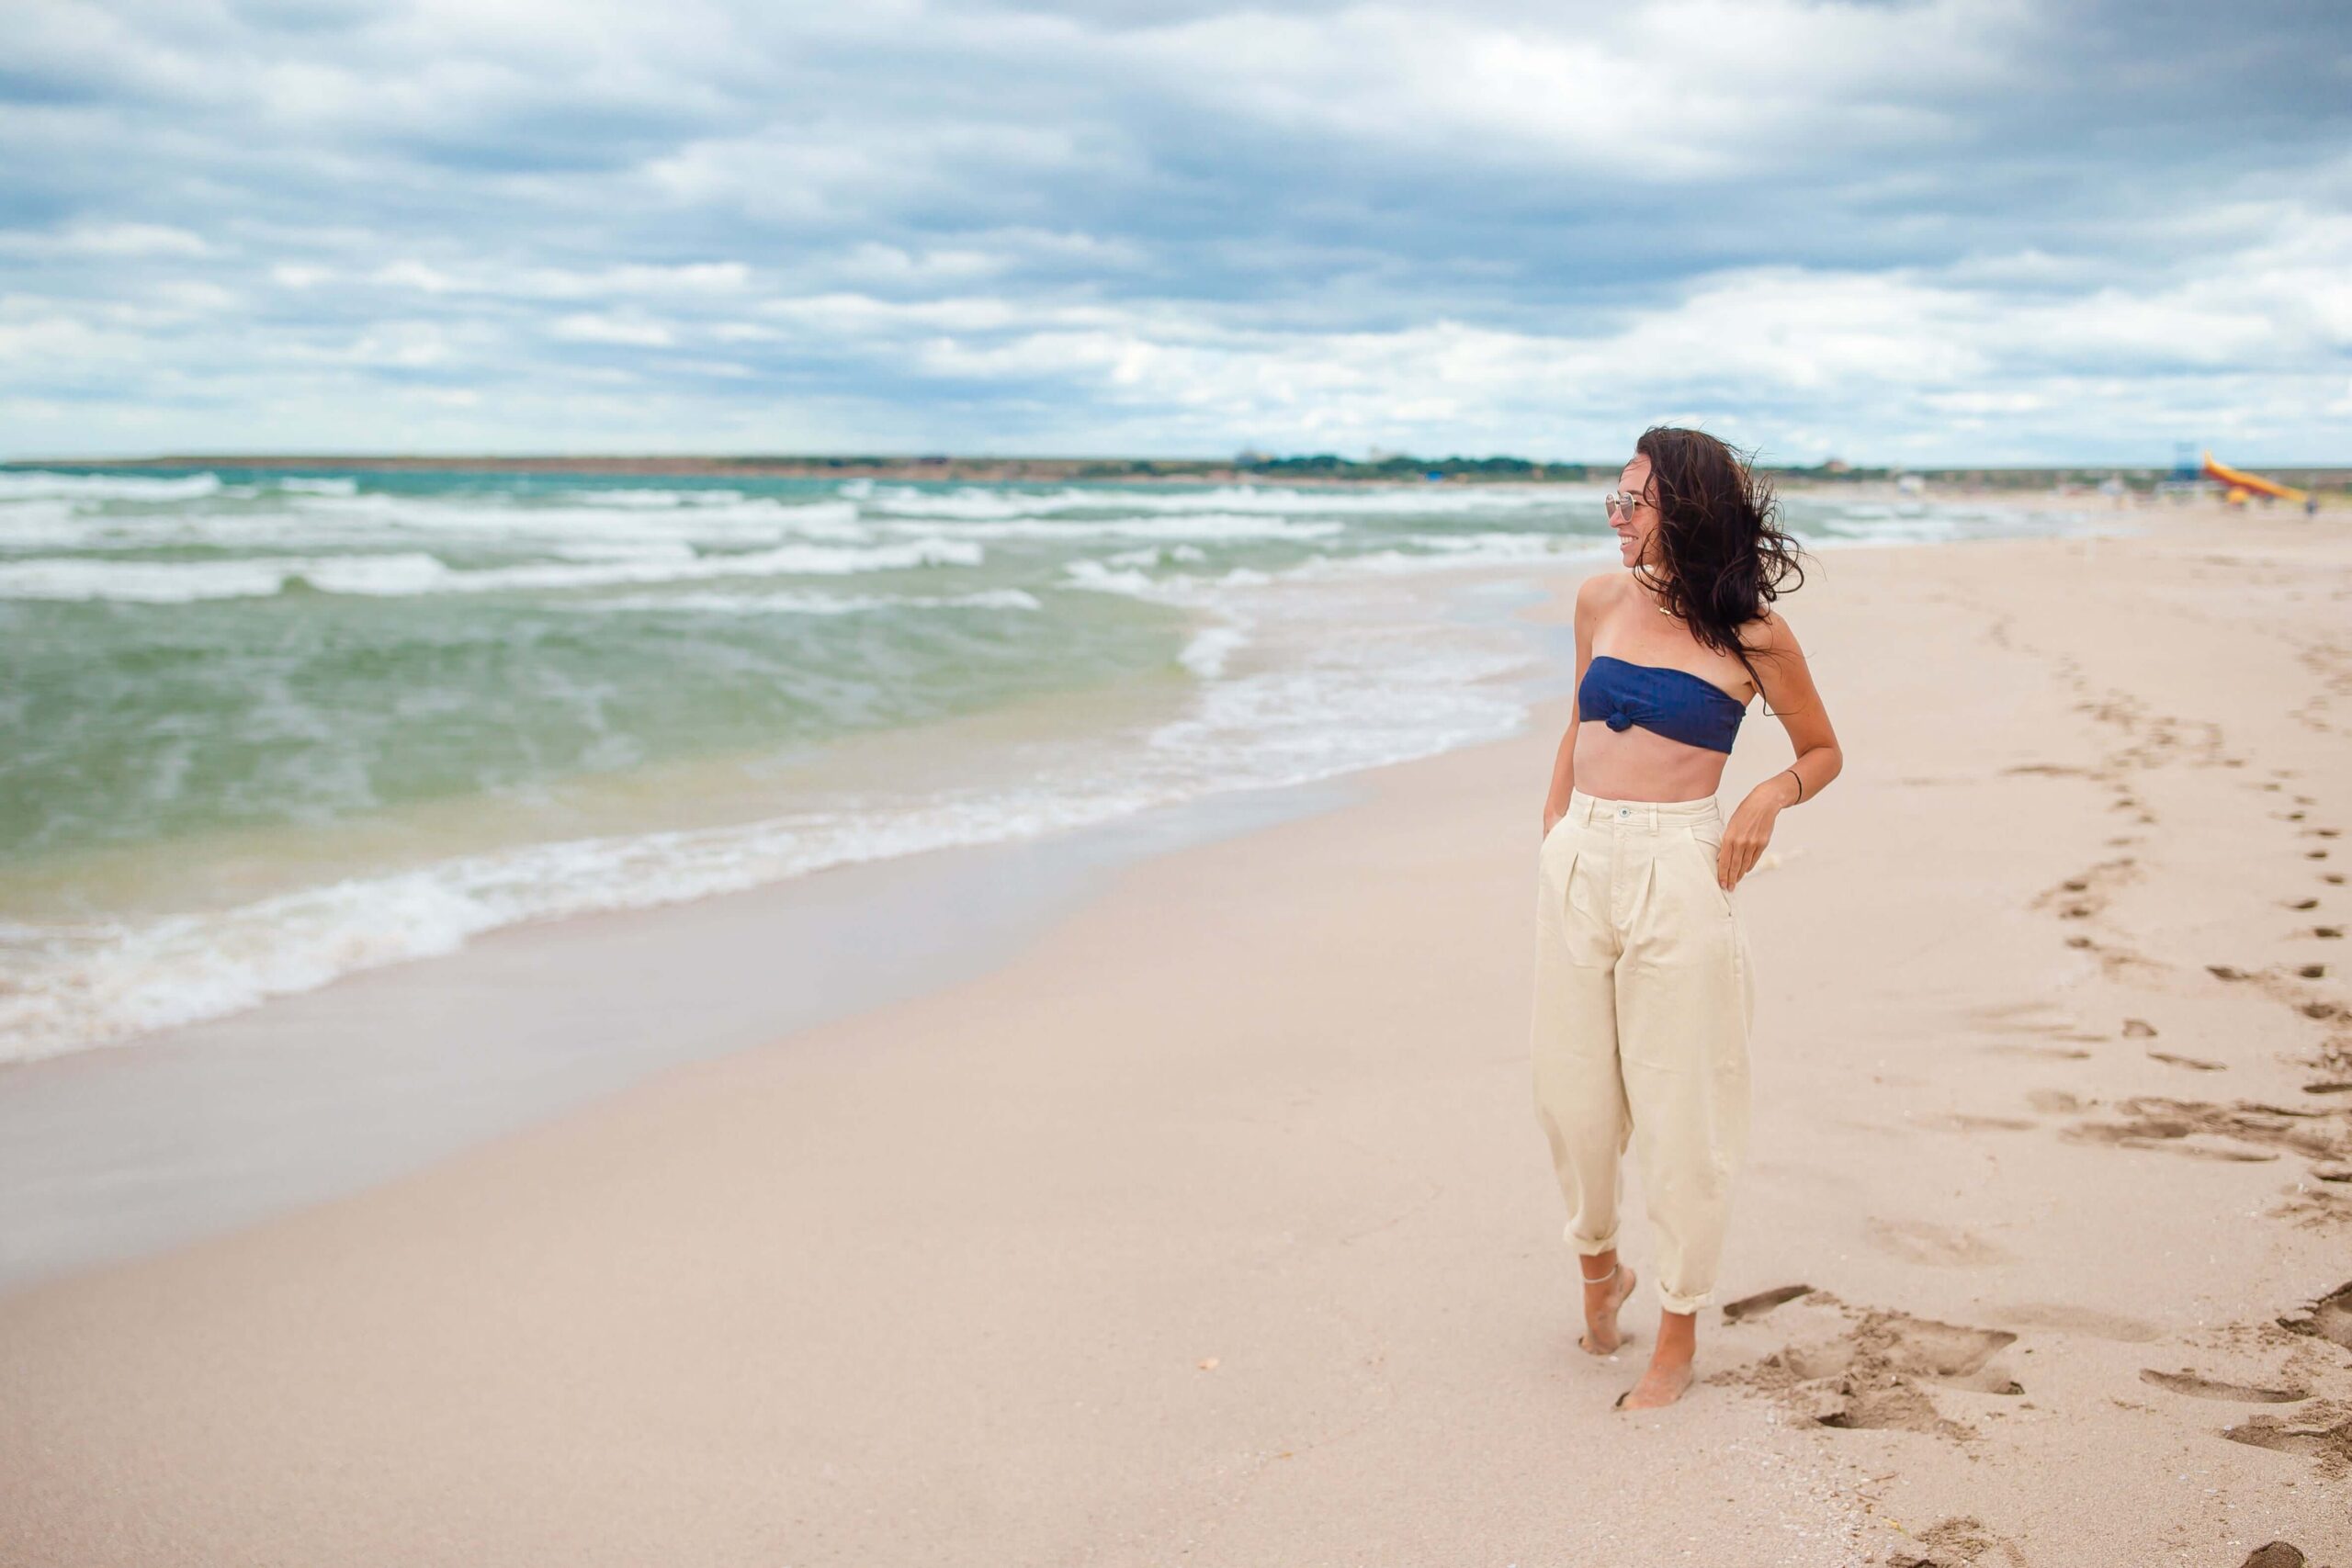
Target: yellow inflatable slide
{"x": 2243, "y": 484}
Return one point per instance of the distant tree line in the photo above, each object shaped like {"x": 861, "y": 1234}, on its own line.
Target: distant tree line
{"x": 1403, "y": 466}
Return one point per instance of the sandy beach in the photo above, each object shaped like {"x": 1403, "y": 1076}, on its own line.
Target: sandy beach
{"x": 1214, "y": 1224}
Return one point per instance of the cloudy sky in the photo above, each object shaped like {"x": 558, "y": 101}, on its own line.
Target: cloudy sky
{"x": 1970, "y": 230}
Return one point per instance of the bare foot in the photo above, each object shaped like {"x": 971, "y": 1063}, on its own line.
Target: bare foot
{"x": 1602, "y": 1299}
{"x": 1669, "y": 1368}
{"x": 1662, "y": 1385}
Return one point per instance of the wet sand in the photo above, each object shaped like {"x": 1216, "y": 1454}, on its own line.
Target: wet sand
{"x": 1215, "y": 1224}
{"x": 113, "y": 1152}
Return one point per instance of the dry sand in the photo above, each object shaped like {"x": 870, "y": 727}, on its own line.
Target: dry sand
{"x": 1215, "y": 1226}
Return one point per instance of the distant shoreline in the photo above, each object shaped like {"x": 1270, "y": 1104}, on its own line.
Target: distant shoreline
{"x": 1316, "y": 470}
{"x": 878, "y": 468}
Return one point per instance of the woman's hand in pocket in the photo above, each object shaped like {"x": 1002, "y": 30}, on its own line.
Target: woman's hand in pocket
{"x": 1746, "y": 837}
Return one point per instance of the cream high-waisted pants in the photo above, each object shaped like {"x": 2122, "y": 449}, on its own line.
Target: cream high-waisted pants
{"x": 1643, "y": 1000}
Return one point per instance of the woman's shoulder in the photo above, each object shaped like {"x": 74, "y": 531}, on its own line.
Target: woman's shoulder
{"x": 1596, "y": 594}
{"x": 1768, "y": 633}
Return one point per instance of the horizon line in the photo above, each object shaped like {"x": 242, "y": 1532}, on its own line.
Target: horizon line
{"x": 233, "y": 459}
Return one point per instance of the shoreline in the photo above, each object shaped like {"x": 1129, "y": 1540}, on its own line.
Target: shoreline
{"x": 1061, "y": 763}
{"x": 1213, "y": 1218}
{"x": 123, "y": 1150}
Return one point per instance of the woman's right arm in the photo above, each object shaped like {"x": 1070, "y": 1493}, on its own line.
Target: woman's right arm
{"x": 1556, "y": 801}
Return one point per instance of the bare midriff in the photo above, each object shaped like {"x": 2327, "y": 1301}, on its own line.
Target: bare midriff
{"x": 1635, "y": 763}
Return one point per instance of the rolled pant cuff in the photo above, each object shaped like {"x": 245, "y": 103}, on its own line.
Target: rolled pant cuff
{"x": 1684, "y": 1304}
{"x": 1591, "y": 1248}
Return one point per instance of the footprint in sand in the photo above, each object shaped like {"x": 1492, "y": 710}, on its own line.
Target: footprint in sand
{"x": 1913, "y": 1346}
{"x": 1960, "y": 1542}
{"x": 1961, "y": 1122}
{"x": 2036, "y": 1019}
{"x": 2153, "y": 1122}
{"x": 2068, "y": 1319}
{"x": 2053, "y": 769}
{"x": 2328, "y": 1318}
{"x": 1749, "y": 1308}
{"x": 2030, "y": 1017}
{"x": 2329, "y": 1444}
{"x": 2189, "y": 1384}
{"x": 2276, "y": 1554}
{"x": 2313, "y": 1208}
{"x": 1921, "y": 1242}
{"x": 2086, "y": 893}
{"x": 2118, "y": 965}
{"x": 1869, "y": 1376}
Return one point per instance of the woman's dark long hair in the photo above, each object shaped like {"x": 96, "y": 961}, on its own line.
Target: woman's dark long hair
{"x": 1719, "y": 539}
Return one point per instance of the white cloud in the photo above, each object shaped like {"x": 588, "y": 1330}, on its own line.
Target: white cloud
{"x": 403, "y": 345}
{"x": 1672, "y": 91}
{"x": 412, "y": 274}
{"x": 631, "y": 332}
{"x": 105, "y": 240}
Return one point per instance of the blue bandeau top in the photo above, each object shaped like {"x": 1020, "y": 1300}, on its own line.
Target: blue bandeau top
{"x": 1675, "y": 703}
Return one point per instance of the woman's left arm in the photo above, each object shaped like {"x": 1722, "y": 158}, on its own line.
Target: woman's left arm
{"x": 1788, "y": 687}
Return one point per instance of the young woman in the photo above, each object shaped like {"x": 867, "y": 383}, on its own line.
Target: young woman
{"x": 1643, "y": 992}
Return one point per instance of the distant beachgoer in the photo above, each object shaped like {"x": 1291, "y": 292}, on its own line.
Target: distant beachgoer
{"x": 2310, "y": 506}
{"x": 1644, "y": 992}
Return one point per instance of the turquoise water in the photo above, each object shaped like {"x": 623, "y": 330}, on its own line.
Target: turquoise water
{"x": 264, "y": 729}
{"x": 250, "y": 655}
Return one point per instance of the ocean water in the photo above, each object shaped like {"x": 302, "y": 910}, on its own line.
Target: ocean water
{"x": 258, "y": 729}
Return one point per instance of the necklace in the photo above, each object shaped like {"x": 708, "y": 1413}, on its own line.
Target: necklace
{"x": 1660, "y": 608}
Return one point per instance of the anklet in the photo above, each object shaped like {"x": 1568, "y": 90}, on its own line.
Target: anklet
{"x": 1596, "y": 1279}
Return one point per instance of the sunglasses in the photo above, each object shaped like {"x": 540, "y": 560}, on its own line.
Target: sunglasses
{"x": 1622, "y": 501}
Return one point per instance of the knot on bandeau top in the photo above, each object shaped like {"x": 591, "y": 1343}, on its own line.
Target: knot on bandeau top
{"x": 1673, "y": 703}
